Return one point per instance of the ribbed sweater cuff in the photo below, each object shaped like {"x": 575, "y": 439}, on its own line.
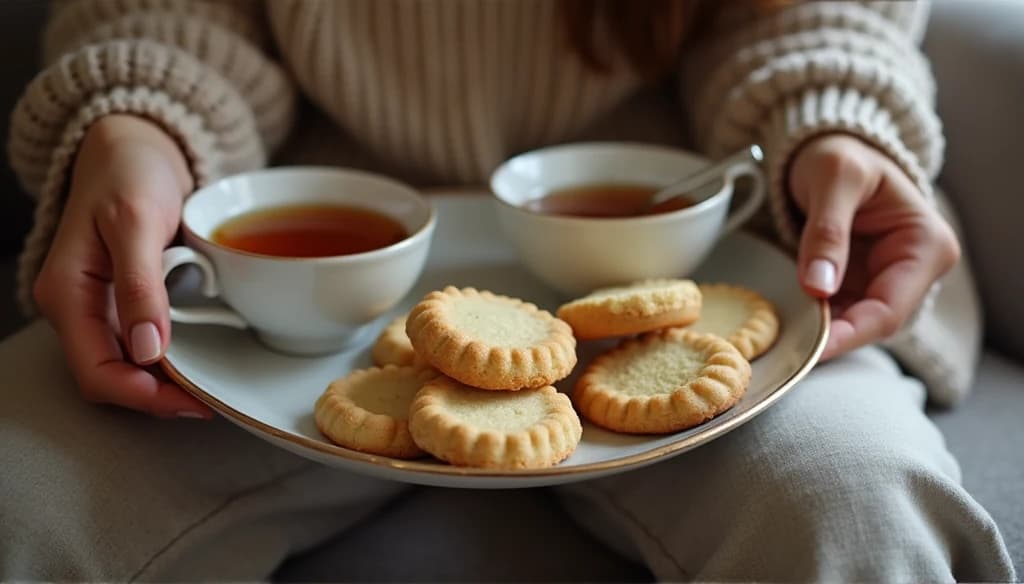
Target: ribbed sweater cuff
{"x": 105, "y": 77}
{"x": 198, "y": 144}
{"x": 814, "y": 112}
{"x": 206, "y": 116}
{"x": 833, "y": 109}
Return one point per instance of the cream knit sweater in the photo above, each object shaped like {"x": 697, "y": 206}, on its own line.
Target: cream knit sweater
{"x": 441, "y": 91}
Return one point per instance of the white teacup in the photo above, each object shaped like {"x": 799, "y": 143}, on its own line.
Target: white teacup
{"x": 302, "y": 306}
{"x": 576, "y": 255}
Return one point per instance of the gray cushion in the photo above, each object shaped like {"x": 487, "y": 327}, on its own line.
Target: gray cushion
{"x": 977, "y": 54}
{"x": 984, "y": 433}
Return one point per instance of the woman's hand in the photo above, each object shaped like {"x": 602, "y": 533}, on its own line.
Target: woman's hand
{"x": 101, "y": 285}
{"x": 871, "y": 243}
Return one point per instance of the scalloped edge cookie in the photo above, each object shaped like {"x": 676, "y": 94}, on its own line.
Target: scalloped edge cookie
{"x": 349, "y": 424}
{"x": 439, "y": 330}
{"x": 393, "y": 347}
{"x": 438, "y": 423}
{"x": 636, "y": 308}
{"x": 757, "y": 329}
{"x": 679, "y": 379}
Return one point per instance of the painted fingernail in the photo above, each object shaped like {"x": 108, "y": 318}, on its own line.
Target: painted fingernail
{"x": 190, "y": 415}
{"x": 145, "y": 342}
{"x": 821, "y": 275}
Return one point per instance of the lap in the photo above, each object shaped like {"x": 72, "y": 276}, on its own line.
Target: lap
{"x": 101, "y": 493}
{"x": 859, "y": 407}
{"x": 845, "y": 468}
{"x": 98, "y": 492}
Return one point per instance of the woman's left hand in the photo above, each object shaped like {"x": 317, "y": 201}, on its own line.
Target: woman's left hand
{"x": 871, "y": 243}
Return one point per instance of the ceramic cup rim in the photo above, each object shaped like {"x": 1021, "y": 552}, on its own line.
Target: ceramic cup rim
{"x": 698, "y": 208}
{"x": 413, "y": 239}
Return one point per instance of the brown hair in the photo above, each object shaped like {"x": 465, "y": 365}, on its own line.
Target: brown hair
{"x": 646, "y": 34}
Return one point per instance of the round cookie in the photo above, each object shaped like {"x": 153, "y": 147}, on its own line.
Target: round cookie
{"x": 662, "y": 382}
{"x": 741, "y": 316}
{"x": 490, "y": 341}
{"x": 465, "y": 426}
{"x": 638, "y": 308}
{"x": 392, "y": 346}
{"x": 368, "y": 410}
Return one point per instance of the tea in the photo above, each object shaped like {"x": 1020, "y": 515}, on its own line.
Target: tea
{"x": 306, "y": 231}
{"x": 605, "y": 200}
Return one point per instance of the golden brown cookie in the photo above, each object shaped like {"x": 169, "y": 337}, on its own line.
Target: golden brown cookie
{"x": 662, "y": 382}
{"x": 741, "y": 316}
{"x": 392, "y": 346}
{"x": 530, "y": 428}
{"x": 638, "y": 308}
{"x": 490, "y": 341}
{"x": 368, "y": 410}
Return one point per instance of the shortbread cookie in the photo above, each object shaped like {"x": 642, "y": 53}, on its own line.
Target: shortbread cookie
{"x": 662, "y": 382}
{"x": 368, "y": 410}
{"x": 490, "y": 341}
{"x": 738, "y": 315}
{"x": 530, "y": 428}
{"x": 393, "y": 347}
{"x": 638, "y": 308}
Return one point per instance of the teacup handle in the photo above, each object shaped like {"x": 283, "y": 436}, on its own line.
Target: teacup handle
{"x": 179, "y": 256}
{"x": 755, "y": 197}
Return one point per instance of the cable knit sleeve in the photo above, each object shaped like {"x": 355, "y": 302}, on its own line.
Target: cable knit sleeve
{"x": 200, "y": 69}
{"x": 798, "y": 70}
{"x": 803, "y": 70}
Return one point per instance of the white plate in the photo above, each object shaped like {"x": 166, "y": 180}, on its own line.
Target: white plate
{"x": 272, "y": 395}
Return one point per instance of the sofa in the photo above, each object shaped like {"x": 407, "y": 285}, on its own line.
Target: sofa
{"x": 977, "y": 52}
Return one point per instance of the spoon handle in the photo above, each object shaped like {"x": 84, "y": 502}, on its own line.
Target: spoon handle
{"x": 718, "y": 170}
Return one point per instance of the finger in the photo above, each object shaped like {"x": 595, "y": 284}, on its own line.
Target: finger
{"x": 856, "y": 280}
{"x": 135, "y": 243}
{"x": 855, "y": 328}
{"x": 97, "y": 361}
{"x": 74, "y": 293}
{"x": 134, "y": 388}
{"x": 889, "y": 301}
{"x": 825, "y": 241}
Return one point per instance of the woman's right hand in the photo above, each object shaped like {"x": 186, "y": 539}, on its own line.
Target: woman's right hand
{"x": 101, "y": 285}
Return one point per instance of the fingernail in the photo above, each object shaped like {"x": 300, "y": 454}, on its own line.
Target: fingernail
{"x": 145, "y": 342}
{"x": 821, "y": 275}
{"x": 190, "y": 415}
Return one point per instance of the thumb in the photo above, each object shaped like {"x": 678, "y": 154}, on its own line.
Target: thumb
{"x": 140, "y": 295}
{"x": 825, "y": 241}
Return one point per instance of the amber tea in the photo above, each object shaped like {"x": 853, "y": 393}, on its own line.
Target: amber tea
{"x": 309, "y": 231}
{"x": 605, "y": 200}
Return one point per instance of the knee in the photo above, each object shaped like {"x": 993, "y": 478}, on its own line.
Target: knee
{"x": 854, "y": 455}
{"x": 838, "y": 462}
{"x": 853, "y": 504}
{"x": 848, "y": 437}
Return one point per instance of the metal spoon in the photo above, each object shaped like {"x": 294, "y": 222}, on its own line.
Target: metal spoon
{"x": 720, "y": 170}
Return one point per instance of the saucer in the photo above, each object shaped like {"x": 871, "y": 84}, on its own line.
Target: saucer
{"x": 272, "y": 395}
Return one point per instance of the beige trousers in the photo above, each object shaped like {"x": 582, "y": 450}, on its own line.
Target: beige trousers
{"x": 844, "y": 479}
